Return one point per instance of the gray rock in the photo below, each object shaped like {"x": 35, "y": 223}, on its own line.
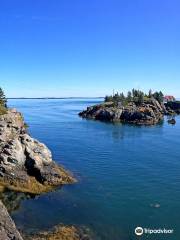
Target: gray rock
{"x": 23, "y": 157}
{"x": 8, "y": 229}
{"x": 148, "y": 113}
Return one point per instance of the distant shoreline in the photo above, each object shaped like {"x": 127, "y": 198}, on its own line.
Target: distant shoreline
{"x": 46, "y": 98}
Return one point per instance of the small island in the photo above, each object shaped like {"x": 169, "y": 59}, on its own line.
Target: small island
{"x": 136, "y": 107}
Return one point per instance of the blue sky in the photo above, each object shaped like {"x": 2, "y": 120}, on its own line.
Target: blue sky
{"x": 67, "y": 48}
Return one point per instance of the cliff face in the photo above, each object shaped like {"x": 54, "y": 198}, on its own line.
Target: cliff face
{"x": 26, "y": 164}
{"x": 8, "y": 229}
{"x": 148, "y": 113}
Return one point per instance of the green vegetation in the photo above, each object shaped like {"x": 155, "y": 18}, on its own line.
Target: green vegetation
{"x": 3, "y": 102}
{"x": 26, "y": 125}
{"x": 136, "y": 96}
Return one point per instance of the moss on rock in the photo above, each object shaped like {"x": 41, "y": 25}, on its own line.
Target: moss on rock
{"x": 61, "y": 233}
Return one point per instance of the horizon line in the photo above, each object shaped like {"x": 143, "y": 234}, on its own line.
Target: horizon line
{"x": 51, "y": 97}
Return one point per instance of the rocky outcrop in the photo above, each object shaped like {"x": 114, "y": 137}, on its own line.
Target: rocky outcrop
{"x": 172, "y": 121}
{"x": 173, "y": 107}
{"x": 26, "y": 164}
{"x": 8, "y": 229}
{"x": 148, "y": 113}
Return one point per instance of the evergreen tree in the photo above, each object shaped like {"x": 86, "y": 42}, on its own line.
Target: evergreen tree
{"x": 150, "y": 93}
{"x": 161, "y": 97}
{"x": 121, "y": 97}
{"x": 158, "y": 96}
{"x": 108, "y": 99}
{"x": 137, "y": 96}
{"x": 129, "y": 96}
{"x": 116, "y": 98}
{"x": 3, "y": 99}
{"x": 140, "y": 99}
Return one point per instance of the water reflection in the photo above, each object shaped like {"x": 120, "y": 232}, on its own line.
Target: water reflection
{"x": 12, "y": 200}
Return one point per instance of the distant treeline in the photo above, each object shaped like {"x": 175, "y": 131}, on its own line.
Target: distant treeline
{"x": 136, "y": 96}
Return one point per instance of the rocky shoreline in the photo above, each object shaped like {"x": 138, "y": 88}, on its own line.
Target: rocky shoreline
{"x": 150, "y": 112}
{"x": 8, "y": 230}
{"x": 26, "y": 166}
{"x": 173, "y": 107}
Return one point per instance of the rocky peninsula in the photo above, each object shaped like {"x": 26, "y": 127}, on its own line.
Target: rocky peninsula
{"x": 137, "y": 108}
{"x": 26, "y": 166}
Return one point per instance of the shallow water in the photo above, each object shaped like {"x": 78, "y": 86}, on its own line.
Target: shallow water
{"x": 123, "y": 172}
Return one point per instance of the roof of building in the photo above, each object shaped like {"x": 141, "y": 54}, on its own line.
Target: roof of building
{"x": 169, "y": 97}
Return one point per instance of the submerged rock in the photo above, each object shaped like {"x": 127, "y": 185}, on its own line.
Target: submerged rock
{"x": 26, "y": 165}
{"x": 172, "y": 121}
{"x": 12, "y": 200}
{"x": 148, "y": 113}
{"x": 8, "y": 230}
{"x": 156, "y": 205}
{"x": 61, "y": 233}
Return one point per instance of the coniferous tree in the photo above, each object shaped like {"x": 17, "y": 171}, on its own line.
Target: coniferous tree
{"x": 3, "y": 99}
{"x": 137, "y": 96}
{"x": 129, "y": 96}
{"x": 140, "y": 99}
{"x": 158, "y": 96}
{"x": 150, "y": 93}
{"x": 108, "y": 99}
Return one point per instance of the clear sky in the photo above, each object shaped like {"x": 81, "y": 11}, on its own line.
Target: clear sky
{"x": 67, "y": 48}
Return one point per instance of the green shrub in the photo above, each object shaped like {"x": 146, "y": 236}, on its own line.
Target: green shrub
{"x": 26, "y": 125}
{"x": 3, "y": 110}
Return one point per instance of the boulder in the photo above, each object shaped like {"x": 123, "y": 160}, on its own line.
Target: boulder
{"x": 172, "y": 121}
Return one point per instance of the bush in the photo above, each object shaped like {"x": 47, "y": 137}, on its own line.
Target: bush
{"x": 3, "y": 110}
{"x": 26, "y": 125}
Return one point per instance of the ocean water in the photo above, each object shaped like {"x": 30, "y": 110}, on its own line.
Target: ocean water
{"x": 128, "y": 176}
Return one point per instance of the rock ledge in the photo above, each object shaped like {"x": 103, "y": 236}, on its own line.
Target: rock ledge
{"x": 26, "y": 165}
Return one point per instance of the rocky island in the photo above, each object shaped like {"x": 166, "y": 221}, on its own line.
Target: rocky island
{"x": 135, "y": 108}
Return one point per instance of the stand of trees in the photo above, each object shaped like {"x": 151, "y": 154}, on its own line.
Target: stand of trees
{"x": 135, "y": 96}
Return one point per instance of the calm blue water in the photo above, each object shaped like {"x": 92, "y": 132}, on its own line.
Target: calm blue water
{"x": 123, "y": 171}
